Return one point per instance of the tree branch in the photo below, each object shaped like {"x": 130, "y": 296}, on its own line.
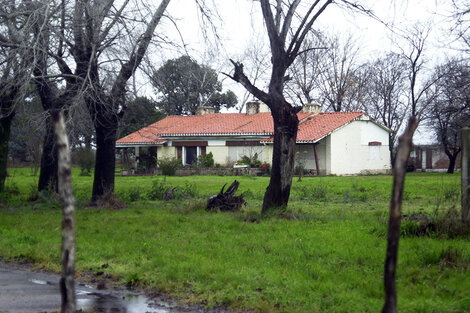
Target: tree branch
{"x": 241, "y": 78}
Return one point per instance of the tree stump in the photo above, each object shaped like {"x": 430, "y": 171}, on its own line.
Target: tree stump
{"x": 226, "y": 201}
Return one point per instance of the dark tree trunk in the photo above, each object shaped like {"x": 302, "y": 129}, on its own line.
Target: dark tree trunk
{"x": 392, "y": 152}
{"x": 451, "y": 168}
{"x": 106, "y": 132}
{"x": 399, "y": 172}
{"x": 285, "y": 134}
{"x": 5, "y": 127}
{"x": 48, "y": 173}
{"x": 452, "y": 158}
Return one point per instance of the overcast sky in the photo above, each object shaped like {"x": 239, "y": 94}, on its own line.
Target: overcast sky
{"x": 239, "y": 21}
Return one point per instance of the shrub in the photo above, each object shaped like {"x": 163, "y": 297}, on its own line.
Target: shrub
{"x": 168, "y": 165}
{"x": 317, "y": 192}
{"x": 161, "y": 190}
{"x": 134, "y": 194}
{"x": 206, "y": 161}
{"x": 85, "y": 159}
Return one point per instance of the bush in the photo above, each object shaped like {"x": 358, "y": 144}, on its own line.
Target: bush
{"x": 161, "y": 190}
{"x": 85, "y": 159}
{"x": 206, "y": 161}
{"x": 134, "y": 194}
{"x": 317, "y": 192}
{"x": 168, "y": 165}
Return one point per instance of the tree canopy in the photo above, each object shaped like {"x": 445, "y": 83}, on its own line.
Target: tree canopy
{"x": 183, "y": 85}
{"x": 141, "y": 112}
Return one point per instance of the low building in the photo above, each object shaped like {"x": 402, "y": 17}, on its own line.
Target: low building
{"x": 431, "y": 158}
{"x": 327, "y": 142}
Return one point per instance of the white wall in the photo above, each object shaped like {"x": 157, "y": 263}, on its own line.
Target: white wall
{"x": 166, "y": 152}
{"x": 220, "y": 154}
{"x": 351, "y": 153}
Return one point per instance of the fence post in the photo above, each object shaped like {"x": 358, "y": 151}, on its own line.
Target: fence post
{"x": 465, "y": 175}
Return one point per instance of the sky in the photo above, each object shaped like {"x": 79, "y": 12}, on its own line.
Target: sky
{"x": 238, "y": 22}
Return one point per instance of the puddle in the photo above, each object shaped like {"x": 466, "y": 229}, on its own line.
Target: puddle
{"x": 118, "y": 302}
{"x": 22, "y": 290}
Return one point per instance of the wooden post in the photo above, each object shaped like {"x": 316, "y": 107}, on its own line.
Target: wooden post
{"x": 465, "y": 175}
{"x": 316, "y": 158}
{"x": 67, "y": 281}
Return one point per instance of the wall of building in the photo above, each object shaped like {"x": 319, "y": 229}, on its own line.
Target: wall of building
{"x": 236, "y": 153}
{"x": 220, "y": 154}
{"x": 354, "y": 149}
{"x": 267, "y": 155}
{"x": 305, "y": 154}
{"x": 166, "y": 152}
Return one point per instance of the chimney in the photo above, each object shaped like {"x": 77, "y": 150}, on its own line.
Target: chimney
{"x": 311, "y": 108}
{"x": 255, "y": 107}
{"x": 202, "y": 110}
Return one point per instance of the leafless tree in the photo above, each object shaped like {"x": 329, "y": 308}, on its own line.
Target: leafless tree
{"x": 461, "y": 18}
{"x": 385, "y": 95}
{"x": 96, "y": 50}
{"x": 15, "y": 37}
{"x": 420, "y": 96}
{"x": 450, "y": 110}
{"x": 340, "y": 82}
{"x": 287, "y": 25}
{"x": 307, "y": 69}
{"x": 256, "y": 59}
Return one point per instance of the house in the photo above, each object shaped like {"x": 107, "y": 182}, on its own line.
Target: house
{"x": 327, "y": 142}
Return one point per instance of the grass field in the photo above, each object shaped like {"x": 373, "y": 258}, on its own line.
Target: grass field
{"x": 324, "y": 254}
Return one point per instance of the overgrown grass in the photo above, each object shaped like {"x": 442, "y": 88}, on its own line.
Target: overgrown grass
{"x": 325, "y": 253}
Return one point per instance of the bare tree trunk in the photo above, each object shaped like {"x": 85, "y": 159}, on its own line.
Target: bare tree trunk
{"x": 285, "y": 134}
{"x": 48, "y": 174}
{"x": 399, "y": 172}
{"x": 5, "y": 127}
{"x": 67, "y": 281}
{"x": 103, "y": 182}
{"x": 451, "y": 168}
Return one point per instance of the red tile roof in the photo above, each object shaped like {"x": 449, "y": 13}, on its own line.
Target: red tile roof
{"x": 311, "y": 127}
{"x": 322, "y": 124}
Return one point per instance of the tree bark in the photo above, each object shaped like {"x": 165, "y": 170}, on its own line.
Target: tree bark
{"x": 67, "y": 281}
{"x": 5, "y": 128}
{"x": 106, "y": 135}
{"x": 48, "y": 173}
{"x": 285, "y": 134}
{"x": 451, "y": 168}
{"x": 399, "y": 173}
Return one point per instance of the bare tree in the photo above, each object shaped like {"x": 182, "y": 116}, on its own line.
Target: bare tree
{"x": 386, "y": 99}
{"x": 450, "y": 110}
{"x": 287, "y": 25}
{"x": 340, "y": 80}
{"x": 419, "y": 99}
{"x": 256, "y": 59}
{"x": 461, "y": 19}
{"x": 307, "y": 69}
{"x": 15, "y": 34}
{"x": 90, "y": 39}
{"x": 94, "y": 33}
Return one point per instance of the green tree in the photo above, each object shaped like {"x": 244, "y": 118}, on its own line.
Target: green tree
{"x": 140, "y": 112}
{"x": 183, "y": 85}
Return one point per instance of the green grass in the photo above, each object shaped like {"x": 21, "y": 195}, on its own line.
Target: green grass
{"x": 325, "y": 254}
